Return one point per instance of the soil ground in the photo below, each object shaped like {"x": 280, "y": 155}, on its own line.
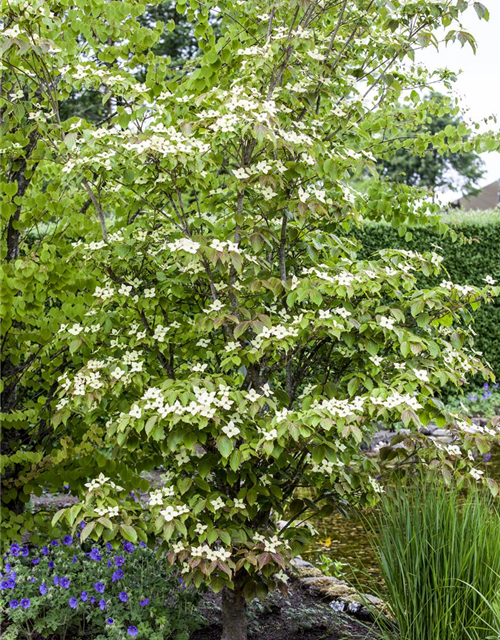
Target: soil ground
{"x": 297, "y": 616}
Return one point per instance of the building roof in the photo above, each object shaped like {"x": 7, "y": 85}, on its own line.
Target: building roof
{"x": 487, "y": 198}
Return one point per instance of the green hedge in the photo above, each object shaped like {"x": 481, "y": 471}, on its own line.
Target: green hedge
{"x": 465, "y": 263}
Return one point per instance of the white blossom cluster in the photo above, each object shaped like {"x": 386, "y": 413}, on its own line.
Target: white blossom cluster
{"x": 220, "y": 245}
{"x": 171, "y": 512}
{"x": 338, "y": 407}
{"x": 278, "y": 331}
{"x": 184, "y": 244}
{"x": 464, "y": 290}
{"x": 205, "y": 405}
{"x": 476, "y": 429}
{"x": 100, "y": 482}
{"x": 376, "y": 486}
{"x": 263, "y": 167}
{"x": 271, "y": 545}
{"x": 204, "y": 551}
{"x": 77, "y": 328}
{"x": 318, "y": 194}
{"x": 326, "y": 467}
{"x": 396, "y": 399}
{"x": 230, "y": 430}
{"x": 110, "y": 512}
{"x": 157, "y": 497}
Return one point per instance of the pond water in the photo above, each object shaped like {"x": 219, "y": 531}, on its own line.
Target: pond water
{"x": 348, "y": 539}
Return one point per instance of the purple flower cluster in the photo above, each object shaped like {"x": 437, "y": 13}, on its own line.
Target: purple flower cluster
{"x": 473, "y": 397}
{"x": 8, "y": 578}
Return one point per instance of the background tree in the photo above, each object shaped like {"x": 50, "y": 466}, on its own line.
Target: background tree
{"x": 437, "y": 167}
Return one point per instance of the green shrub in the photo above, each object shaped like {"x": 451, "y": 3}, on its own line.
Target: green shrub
{"x": 465, "y": 263}
{"x": 64, "y": 592}
{"x": 483, "y": 402}
{"x": 439, "y": 555}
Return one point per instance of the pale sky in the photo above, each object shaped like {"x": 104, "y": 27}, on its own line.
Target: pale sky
{"x": 478, "y": 86}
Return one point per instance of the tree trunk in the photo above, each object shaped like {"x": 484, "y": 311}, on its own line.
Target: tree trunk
{"x": 234, "y": 614}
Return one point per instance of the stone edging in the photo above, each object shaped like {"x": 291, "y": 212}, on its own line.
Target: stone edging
{"x": 338, "y": 593}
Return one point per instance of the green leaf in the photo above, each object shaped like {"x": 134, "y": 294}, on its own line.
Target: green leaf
{"x": 87, "y": 530}
{"x": 128, "y": 532}
{"x": 150, "y": 424}
{"x": 225, "y": 446}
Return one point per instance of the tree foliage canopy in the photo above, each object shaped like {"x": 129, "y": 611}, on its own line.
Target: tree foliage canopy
{"x": 441, "y": 167}
{"x": 205, "y": 314}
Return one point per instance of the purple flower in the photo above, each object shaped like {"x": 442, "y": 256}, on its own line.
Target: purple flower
{"x": 8, "y": 567}
{"x": 94, "y": 554}
{"x": 123, "y": 595}
{"x": 486, "y": 386}
{"x": 117, "y": 575}
{"x": 64, "y": 582}
{"x": 82, "y": 524}
{"x": 83, "y": 596}
{"x": 110, "y": 564}
{"x": 74, "y": 560}
{"x": 132, "y": 630}
{"x": 67, "y": 540}
{"x": 73, "y": 603}
{"x": 25, "y": 551}
{"x": 92, "y": 600}
{"x": 110, "y": 621}
{"x": 45, "y": 551}
{"x": 119, "y": 561}
{"x": 142, "y": 544}
{"x": 99, "y": 587}
{"x": 10, "y": 583}
{"x": 487, "y": 457}
{"x": 495, "y": 386}
{"x": 25, "y": 603}
{"x": 56, "y": 580}
{"x": 102, "y": 604}
{"x": 144, "y": 602}
{"x": 54, "y": 543}
{"x": 43, "y": 589}
{"x": 129, "y": 547}
{"x": 35, "y": 560}
{"x": 109, "y": 546}
{"x": 14, "y": 549}
{"x": 51, "y": 564}
{"x": 13, "y": 604}
{"x": 32, "y": 580}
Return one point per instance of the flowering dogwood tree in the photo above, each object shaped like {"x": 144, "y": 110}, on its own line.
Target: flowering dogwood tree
{"x": 234, "y": 338}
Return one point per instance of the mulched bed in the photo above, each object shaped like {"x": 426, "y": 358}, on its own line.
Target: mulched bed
{"x": 297, "y": 616}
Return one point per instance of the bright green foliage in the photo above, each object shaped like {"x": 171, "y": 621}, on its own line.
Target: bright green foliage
{"x": 467, "y": 262}
{"x": 439, "y": 555}
{"x": 41, "y": 285}
{"x": 233, "y": 335}
{"x": 438, "y": 167}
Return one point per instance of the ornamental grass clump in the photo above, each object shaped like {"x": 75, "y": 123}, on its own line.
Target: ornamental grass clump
{"x": 439, "y": 555}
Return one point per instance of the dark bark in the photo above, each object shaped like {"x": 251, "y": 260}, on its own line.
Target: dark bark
{"x": 19, "y": 176}
{"x": 9, "y": 372}
{"x": 234, "y": 613}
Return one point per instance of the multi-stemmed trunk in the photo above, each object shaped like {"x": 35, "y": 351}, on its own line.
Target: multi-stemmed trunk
{"x": 234, "y": 613}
